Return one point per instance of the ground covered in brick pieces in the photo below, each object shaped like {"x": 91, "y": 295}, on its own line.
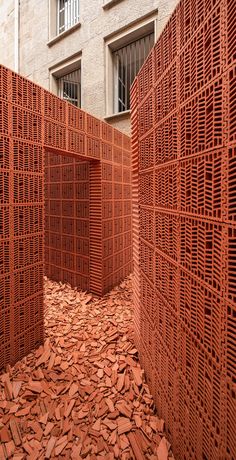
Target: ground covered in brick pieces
{"x": 83, "y": 394}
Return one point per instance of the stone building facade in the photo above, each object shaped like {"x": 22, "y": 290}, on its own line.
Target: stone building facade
{"x": 98, "y": 43}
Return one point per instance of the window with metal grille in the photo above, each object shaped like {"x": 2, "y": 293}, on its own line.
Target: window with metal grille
{"x": 70, "y": 87}
{"x": 68, "y": 14}
{"x": 127, "y": 62}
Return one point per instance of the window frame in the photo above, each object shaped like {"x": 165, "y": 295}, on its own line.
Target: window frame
{"x": 53, "y": 24}
{"x": 121, "y": 98}
{"x": 72, "y": 23}
{"x": 113, "y": 43}
{"x": 60, "y": 84}
{"x": 62, "y": 69}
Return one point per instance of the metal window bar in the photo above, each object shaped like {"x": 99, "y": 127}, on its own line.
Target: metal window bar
{"x": 70, "y": 87}
{"x": 68, "y": 14}
{"x": 127, "y": 62}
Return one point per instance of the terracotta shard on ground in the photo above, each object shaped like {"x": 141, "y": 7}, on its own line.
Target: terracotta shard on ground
{"x": 16, "y": 387}
{"x": 8, "y": 387}
{"x": 162, "y": 450}
{"x": 43, "y": 359}
{"x": 44, "y": 419}
{"x": 48, "y": 428}
{"x": 124, "y": 409}
{"x": 97, "y": 425}
{"x": 138, "y": 420}
{"x": 10, "y": 449}
{"x": 69, "y": 408}
{"x": 160, "y": 425}
{"x": 83, "y": 392}
{"x": 124, "y": 425}
{"x": 23, "y": 412}
{"x": 50, "y": 447}
{"x": 137, "y": 449}
{"x": 36, "y": 387}
{"x": 120, "y": 382}
{"x": 5, "y": 435}
{"x": 110, "y": 424}
{"x": 75, "y": 452}
{"x": 59, "y": 448}
{"x": 137, "y": 373}
{"x": 110, "y": 404}
{"x": 2, "y": 452}
{"x": 73, "y": 389}
{"x": 15, "y": 431}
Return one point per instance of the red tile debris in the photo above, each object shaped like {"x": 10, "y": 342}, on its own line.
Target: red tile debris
{"x": 83, "y": 394}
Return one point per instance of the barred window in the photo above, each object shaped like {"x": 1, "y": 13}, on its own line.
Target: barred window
{"x": 68, "y": 14}
{"x": 69, "y": 86}
{"x": 127, "y": 62}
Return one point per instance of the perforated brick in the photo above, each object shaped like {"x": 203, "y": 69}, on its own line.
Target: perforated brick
{"x": 59, "y": 161}
{"x": 67, "y": 219}
{"x": 183, "y": 115}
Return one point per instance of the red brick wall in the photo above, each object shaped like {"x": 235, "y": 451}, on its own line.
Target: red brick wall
{"x": 88, "y": 206}
{"x": 21, "y": 218}
{"x": 67, "y": 230}
{"x": 69, "y": 225}
{"x": 184, "y": 157}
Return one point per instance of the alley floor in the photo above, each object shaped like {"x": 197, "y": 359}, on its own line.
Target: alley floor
{"x": 83, "y": 394}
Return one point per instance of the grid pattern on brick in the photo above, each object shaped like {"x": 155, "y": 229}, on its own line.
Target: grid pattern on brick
{"x": 67, "y": 243}
{"x": 21, "y": 218}
{"x": 89, "y": 204}
{"x": 116, "y": 217}
{"x": 184, "y": 154}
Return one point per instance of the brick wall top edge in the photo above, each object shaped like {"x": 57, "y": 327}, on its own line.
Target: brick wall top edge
{"x": 115, "y": 133}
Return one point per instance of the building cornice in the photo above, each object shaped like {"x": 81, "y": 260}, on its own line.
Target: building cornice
{"x": 110, "y": 4}
{"x": 63, "y": 34}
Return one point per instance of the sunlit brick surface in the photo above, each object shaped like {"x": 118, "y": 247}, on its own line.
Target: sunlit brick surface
{"x": 21, "y": 218}
{"x": 184, "y": 157}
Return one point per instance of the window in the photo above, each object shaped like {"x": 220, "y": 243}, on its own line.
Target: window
{"x": 67, "y": 13}
{"x": 125, "y": 51}
{"x": 127, "y": 62}
{"x": 69, "y": 87}
{"x": 65, "y": 79}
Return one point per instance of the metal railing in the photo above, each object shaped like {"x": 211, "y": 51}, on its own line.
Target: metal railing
{"x": 67, "y": 14}
{"x": 127, "y": 62}
{"x": 70, "y": 87}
